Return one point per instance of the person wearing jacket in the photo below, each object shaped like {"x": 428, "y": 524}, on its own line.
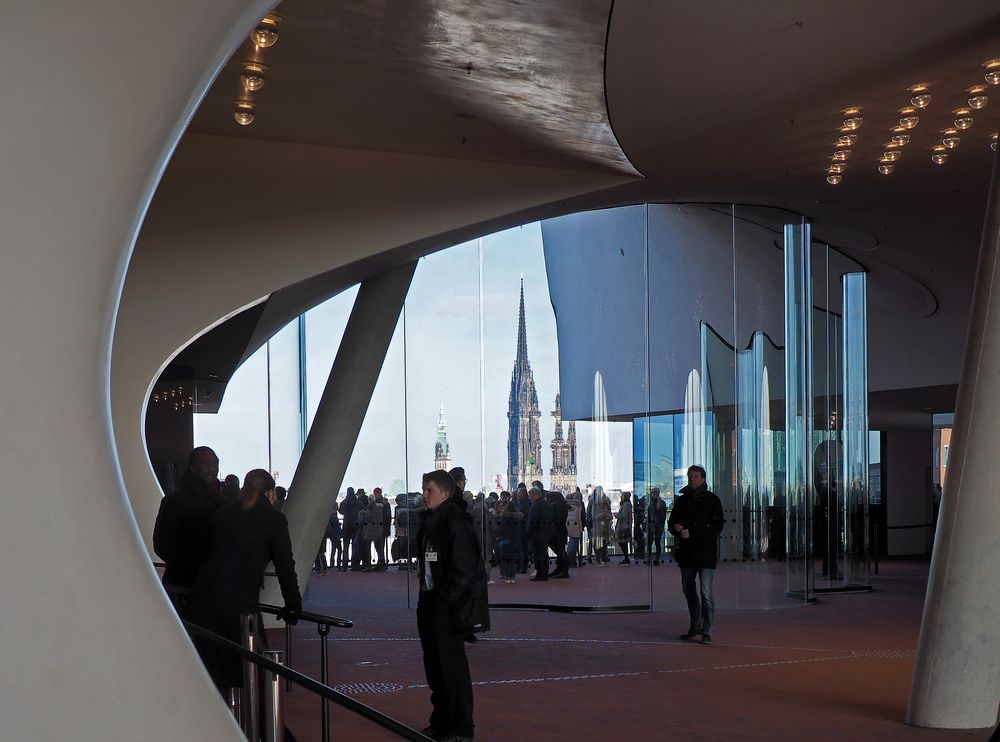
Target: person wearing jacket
{"x": 375, "y": 529}
{"x": 574, "y": 527}
{"x": 540, "y": 532}
{"x": 695, "y": 522}
{"x": 657, "y": 518}
{"x": 447, "y": 561}
{"x": 508, "y": 534}
{"x": 183, "y": 521}
{"x": 245, "y": 536}
{"x": 560, "y": 511}
{"x": 349, "y": 509}
{"x": 623, "y": 525}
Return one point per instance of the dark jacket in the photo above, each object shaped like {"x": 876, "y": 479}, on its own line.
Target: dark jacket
{"x": 540, "y": 525}
{"x": 229, "y": 579}
{"x": 700, "y": 511}
{"x": 182, "y": 527}
{"x": 560, "y": 511}
{"x": 349, "y": 509}
{"x": 657, "y": 514}
{"x": 455, "y": 572}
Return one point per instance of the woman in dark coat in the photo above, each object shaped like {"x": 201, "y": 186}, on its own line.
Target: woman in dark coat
{"x": 245, "y": 536}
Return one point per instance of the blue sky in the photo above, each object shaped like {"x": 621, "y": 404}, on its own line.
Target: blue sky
{"x": 442, "y": 321}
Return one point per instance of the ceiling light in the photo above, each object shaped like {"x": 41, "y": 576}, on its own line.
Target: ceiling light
{"x": 978, "y": 102}
{"x": 939, "y": 158}
{"x": 834, "y": 179}
{"x": 900, "y": 139}
{"x": 852, "y": 123}
{"x": 950, "y": 142}
{"x": 252, "y": 77}
{"x": 847, "y": 140}
{"x": 949, "y": 132}
{"x": 976, "y": 89}
{"x": 887, "y": 168}
{"x": 837, "y": 167}
{"x": 266, "y": 33}
{"x": 909, "y": 122}
{"x": 921, "y": 101}
{"x": 841, "y": 154}
{"x": 891, "y": 155}
{"x": 964, "y": 123}
{"x": 920, "y": 87}
{"x": 993, "y": 142}
{"x": 992, "y": 71}
{"x": 244, "y": 114}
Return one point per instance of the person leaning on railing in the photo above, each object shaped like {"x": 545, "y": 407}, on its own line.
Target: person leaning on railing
{"x": 244, "y": 537}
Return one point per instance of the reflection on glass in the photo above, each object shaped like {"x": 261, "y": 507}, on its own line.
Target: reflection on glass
{"x": 798, "y": 409}
{"x": 855, "y": 429}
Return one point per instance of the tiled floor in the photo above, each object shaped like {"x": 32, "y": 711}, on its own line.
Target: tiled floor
{"x": 837, "y": 669}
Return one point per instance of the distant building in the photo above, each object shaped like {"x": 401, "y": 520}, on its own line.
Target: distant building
{"x": 524, "y": 448}
{"x": 562, "y": 475}
{"x": 442, "y": 453}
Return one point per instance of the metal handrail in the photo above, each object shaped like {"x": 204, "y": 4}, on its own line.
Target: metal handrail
{"x": 341, "y": 699}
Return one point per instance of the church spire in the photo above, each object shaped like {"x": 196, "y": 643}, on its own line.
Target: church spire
{"x": 521, "y": 361}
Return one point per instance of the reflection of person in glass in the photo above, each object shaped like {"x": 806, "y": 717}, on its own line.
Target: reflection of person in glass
{"x": 657, "y": 517}
{"x": 827, "y": 461}
{"x": 695, "y": 522}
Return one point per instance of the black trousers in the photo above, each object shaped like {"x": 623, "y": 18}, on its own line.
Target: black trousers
{"x": 445, "y": 666}
{"x": 540, "y": 550}
{"x": 558, "y": 546}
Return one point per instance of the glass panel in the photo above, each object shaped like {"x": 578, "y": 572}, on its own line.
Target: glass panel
{"x": 799, "y": 409}
{"x": 595, "y": 266}
{"x": 855, "y": 429}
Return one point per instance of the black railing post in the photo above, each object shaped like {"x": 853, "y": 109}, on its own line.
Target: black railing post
{"x": 288, "y": 654}
{"x": 324, "y": 673}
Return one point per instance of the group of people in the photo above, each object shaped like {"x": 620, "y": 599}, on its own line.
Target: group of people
{"x": 215, "y": 548}
{"x": 216, "y": 543}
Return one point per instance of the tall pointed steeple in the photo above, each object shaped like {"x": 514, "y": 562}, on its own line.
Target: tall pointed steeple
{"x": 562, "y": 475}
{"x": 524, "y": 450}
{"x": 442, "y": 452}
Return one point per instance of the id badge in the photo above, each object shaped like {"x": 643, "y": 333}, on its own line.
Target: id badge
{"x": 430, "y": 556}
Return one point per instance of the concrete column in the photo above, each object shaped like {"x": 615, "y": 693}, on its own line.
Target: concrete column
{"x": 956, "y": 681}
{"x": 341, "y": 412}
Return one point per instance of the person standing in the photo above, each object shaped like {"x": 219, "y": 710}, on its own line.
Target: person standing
{"x": 523, "y": 505}
{"x": 457, "y": 475}
{"x": 184, "y": 518}
{"x": 349, "y": 509}
{"x": 657, "y": 519}
{"x": 446, "y": 560}
{"x": 696, "y": 521}
{"x": 540, "y": 532}
{"x": 574, "y": 527}
{"x": 601, "y": 528}
{"x": 375, "y": 529}
{"x": 623, "y": 525}
{"x": 560, "y": 512}
{"x": 245, "y": 536}
{"x": 508, "y": 538}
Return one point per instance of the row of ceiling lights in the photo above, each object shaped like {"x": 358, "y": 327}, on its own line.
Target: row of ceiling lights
{"x": 252, "y": 76}
{"x": 920, "y": 98}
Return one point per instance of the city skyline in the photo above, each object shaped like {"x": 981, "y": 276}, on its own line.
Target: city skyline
{"x": 441, "y": 366}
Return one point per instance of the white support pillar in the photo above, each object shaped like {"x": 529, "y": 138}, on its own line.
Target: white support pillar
{"x": 340, "y": 413}
{"x": 956, "y": 681}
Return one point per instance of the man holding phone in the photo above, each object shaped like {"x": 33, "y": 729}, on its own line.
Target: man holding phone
{"x": 696, "y": 521}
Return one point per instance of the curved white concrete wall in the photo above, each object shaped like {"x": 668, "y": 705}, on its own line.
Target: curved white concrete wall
{"x": 236, "y": 219}
{"x": 95, "y": 95}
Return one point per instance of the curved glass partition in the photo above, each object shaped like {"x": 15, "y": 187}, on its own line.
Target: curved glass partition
{"x": 601, "y": 354}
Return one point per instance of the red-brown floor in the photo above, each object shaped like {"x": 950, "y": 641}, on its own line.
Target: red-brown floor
{"x": 837, "y": 669}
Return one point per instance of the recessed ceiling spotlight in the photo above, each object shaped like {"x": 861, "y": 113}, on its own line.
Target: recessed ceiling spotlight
{"x": 950, "y": 142}
{"x": 949, "y": 131}
{"x": 909, "y": 122}
{"x": 886, "y": 168}
{"x": 847, "y": 140}
{"x": 920, "y": 97}
{"x": 252, "y": 77}
{"x": 853, "y": 123}
{"x": 890, "y": 155}
{"x": 993, "y": 142}
{"x": 834, "y": 179}
{"x": 976, "y": 89}
{"x": 837, "y": 167}
{"x": 244, "y": 114}
{"x": 964, "y": 123}
{"x": 992, "y": 71}
{"x": 841, "y": 154}
{"x": 978, "y": 102}
{"x": 901, "y": 139}
{"x": 939, "y": 158}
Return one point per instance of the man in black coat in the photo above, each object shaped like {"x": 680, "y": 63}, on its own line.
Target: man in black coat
{"x": 457, "y": 475}
{"x": 349, "y": 509}
{"x": 696, "y": 522}
{"x": 657, "y": 518}
{"x": 541, "y": 529}
{"x": 523, "y": 505}
{"x": 560, "y": 510}
{"x": 245, "y": 536}
{"x": 182, "y": 522}
{"x": 446, "y": 561}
